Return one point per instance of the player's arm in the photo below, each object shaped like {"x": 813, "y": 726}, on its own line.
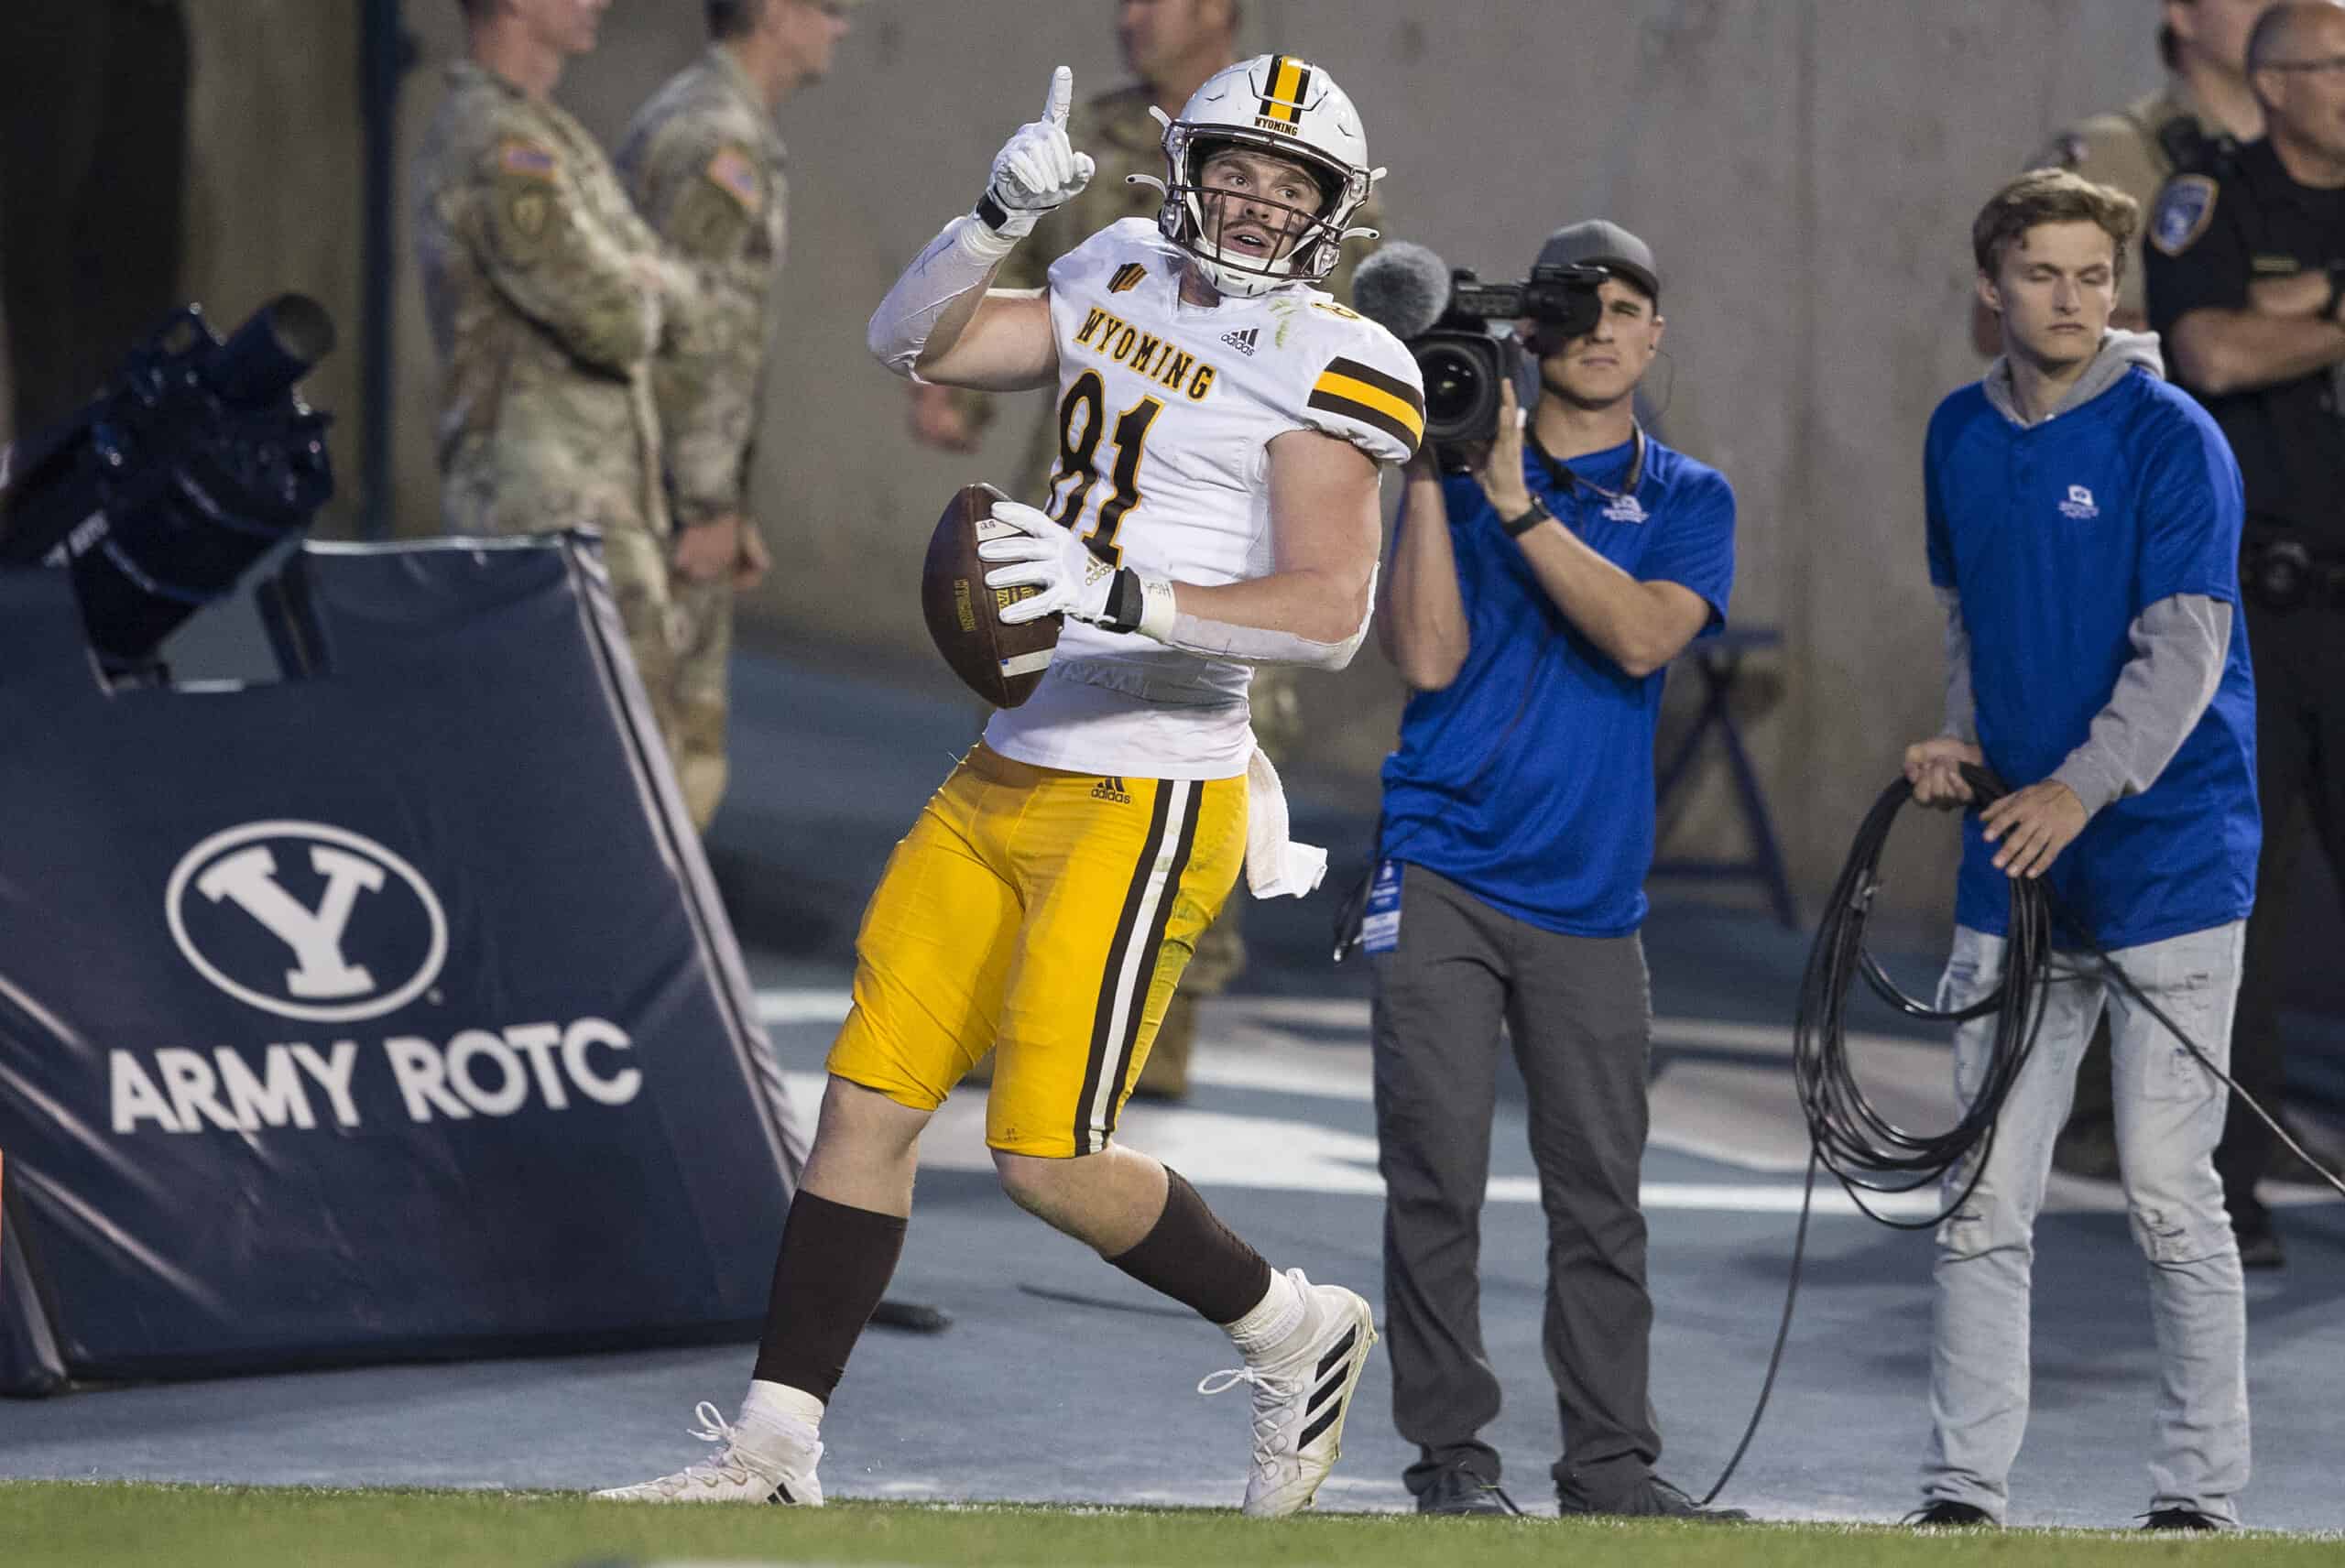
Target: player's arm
{"x": 943, "y": 320}
{"x": 1311, "y": 608}
{"x": 524, "y": 224}
{"x": 1420, "y": 617}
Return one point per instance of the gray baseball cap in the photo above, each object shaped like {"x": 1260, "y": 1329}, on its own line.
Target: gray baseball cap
{"x": 1597, "y": 243}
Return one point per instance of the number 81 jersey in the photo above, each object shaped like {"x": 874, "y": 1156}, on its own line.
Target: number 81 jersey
{"x": 1165, "y": 415}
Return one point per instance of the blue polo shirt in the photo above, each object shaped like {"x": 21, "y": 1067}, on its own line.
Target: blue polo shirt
{"x": 1529, "y": 780}
{"x": 2056, "y": 537}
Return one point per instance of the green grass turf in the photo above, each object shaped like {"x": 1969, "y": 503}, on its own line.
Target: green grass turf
{"x": 92, "y": 1524}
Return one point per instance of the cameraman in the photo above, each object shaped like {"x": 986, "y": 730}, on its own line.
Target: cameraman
{"x": 1532, "y": 606}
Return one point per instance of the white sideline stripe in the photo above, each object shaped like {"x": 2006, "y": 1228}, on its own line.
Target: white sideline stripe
{"x": 1699, "y": 1109}
{"x": 819, "y": 1007}
{"x": 803, "y": 1007}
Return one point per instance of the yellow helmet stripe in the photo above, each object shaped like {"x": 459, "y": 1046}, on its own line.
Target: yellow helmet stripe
{"x": 1282, "y": 99}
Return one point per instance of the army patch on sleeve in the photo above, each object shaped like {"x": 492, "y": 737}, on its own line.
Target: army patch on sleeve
{"x": 732, "y": 172}
{"x": 525, "y": 158}
{"x": 2185, "y": 208}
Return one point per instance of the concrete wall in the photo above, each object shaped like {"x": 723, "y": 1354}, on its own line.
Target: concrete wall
{"x": 1806, "y": 170}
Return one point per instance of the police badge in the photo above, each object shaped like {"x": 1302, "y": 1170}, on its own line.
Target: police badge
{"x": 2185, "y": 208}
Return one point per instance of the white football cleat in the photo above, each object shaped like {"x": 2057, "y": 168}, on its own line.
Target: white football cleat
{"x": 774, "y": 1470}
{"x": 1301, "y": 1395}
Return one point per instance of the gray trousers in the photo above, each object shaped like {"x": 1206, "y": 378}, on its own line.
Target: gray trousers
{"x": 1579, "y": 1011}
{"x": 2169, "y": 1116}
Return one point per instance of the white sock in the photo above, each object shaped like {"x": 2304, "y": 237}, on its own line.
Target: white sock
{"x": 1271, "y": 1320}
{"x": 778, "y": 1410}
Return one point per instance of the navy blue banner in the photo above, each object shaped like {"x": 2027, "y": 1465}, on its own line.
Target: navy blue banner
{"x": 385, "y": 1011}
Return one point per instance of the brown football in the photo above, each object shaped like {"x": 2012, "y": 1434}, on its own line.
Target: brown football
{"x": 1003, "y": 664}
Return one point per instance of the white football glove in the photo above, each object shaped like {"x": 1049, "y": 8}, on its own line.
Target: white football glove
{"x": 1042, "y": 554}
{"x": 1038, "y": 168}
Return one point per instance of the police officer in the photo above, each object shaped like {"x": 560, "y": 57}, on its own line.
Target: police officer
{"x": 2247, "y": 287}
{"x": 1172, "y": 46}
{"x": 706, "y": 170}
{"x": 547, "y": 295}
{"x": 2205, "y": 102}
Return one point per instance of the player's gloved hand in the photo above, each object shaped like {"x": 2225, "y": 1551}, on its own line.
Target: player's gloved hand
{"x": 1043, "y": 555}
{"x": 1038, "y": 168}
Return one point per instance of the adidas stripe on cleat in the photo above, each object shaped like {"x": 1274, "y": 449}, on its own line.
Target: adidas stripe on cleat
{"x": 1302, "y": 1394}
{"x": 755, "y": 1466}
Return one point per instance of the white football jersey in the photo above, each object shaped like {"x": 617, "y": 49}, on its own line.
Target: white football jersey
{"x": 1166, "y": 411}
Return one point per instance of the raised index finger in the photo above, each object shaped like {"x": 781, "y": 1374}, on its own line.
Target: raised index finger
{"x": 1061, "y": 96}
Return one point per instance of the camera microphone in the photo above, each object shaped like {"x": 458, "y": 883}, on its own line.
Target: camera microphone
{"x": 1403, "y": 287}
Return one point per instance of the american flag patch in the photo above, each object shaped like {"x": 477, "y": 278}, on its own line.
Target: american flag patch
{"x": 526, "y": 159}
{"x": 733, "y": 173}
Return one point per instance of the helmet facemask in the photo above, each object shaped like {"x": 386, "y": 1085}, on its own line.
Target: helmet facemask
{"x": 1195, "y": 215}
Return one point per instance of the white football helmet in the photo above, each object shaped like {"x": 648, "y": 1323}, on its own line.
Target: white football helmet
{"x": 1287, "y": 108}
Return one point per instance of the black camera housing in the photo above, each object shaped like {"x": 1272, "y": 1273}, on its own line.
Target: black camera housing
{"x": 1462, "y": 363}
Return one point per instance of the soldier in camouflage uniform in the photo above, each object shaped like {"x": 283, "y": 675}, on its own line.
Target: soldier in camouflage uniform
{"x": 2206, "y": 101}
{"x": 547, "y": 297}
{"x": 707, "y": 171}
{"x": 1172, "y": 46}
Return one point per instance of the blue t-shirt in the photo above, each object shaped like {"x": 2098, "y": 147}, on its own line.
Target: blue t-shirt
{"x": 2056, "y": 537}
{"x": 1528, "y": 779}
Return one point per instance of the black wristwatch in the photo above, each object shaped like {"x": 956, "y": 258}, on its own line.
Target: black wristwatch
{"x": 1517, "y": 527}
{"x": 2336, "y": 293}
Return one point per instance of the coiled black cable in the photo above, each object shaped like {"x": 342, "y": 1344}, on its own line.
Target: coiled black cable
{"x": 1864, "y": 1150}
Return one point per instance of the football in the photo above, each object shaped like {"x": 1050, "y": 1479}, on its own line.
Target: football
{"x": 1003, "y": 664}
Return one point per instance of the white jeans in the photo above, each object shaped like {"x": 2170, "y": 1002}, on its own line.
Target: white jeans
{"x": 2169, "y": 1118}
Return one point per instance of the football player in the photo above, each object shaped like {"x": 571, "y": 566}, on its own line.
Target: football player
{"x": 1221, "y": 425}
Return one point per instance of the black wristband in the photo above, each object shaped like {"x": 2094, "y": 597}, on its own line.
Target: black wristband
{"x": 990, "y": 213}
{"x": 1126, "y": 600}
{"x": 1517, "y": 527}
{"x": 2336, "y": 293}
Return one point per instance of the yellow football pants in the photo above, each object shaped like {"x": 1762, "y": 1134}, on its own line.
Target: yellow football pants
{"x": 1046, "y": 916}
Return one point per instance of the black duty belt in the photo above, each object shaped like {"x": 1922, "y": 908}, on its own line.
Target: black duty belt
{"x": 2281, "y": 571}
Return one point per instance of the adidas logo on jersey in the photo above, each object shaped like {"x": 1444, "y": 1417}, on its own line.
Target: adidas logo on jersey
{"x": 1242, "y": 340}
{"x": 1111, "y": 788}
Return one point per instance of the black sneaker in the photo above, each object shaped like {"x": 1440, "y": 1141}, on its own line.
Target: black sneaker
{"x": 1457, "y": 1491}
{"x": 2180, "y": 1518}
{"x": 1944, "y": 1513}
{"x": 1652, "y": 1497}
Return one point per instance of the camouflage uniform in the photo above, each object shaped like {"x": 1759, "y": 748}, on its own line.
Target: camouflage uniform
{"x": 706, "y": 170}
{"x": 1124, "y": 138}
{"x": 546, "y": 296}
{"x": 2135, "y": 150}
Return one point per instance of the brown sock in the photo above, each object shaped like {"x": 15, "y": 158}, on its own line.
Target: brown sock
{"x": 835, "y": 1266}
{"x": 1193, "y": 1257}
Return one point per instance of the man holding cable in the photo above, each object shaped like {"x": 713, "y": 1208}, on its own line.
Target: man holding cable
{"x": 1532, "y": 606}
{"x": 2084, "y": 524}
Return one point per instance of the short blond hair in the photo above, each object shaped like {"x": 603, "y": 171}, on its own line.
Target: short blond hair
{"x": 2050, "y": 196}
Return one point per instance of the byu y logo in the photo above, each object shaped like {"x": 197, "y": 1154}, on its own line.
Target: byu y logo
{"x": 307, "y": 921}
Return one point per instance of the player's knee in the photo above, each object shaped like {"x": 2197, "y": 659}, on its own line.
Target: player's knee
{"x": 1035, "y": 1183}
{"x": 868, "y": 1119}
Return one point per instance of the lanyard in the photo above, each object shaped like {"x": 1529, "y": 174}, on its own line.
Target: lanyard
{"x": 1562, "y": 478}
